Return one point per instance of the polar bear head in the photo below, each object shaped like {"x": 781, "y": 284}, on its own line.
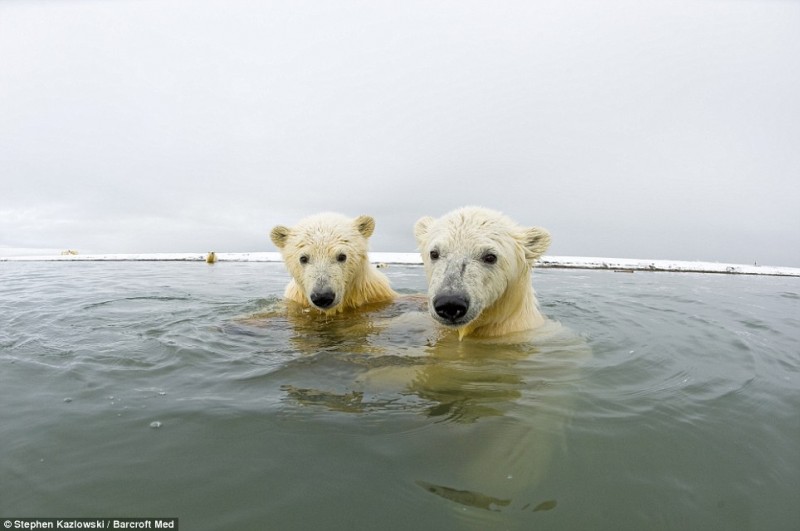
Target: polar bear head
{"x": 478, "y": 263}
{"x": 326, "y": 254}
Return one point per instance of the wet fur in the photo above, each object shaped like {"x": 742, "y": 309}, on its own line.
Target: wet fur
{"x": 321, "y": 238}
{"x": 502, "y": 299}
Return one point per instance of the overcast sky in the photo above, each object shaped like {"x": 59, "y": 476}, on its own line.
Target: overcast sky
{"x": 635, "y": 129}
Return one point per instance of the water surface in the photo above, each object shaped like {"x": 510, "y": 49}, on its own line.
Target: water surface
{"x": 669, "y": 401}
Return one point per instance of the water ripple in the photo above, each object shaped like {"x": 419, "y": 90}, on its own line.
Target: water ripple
{"x": 676, "y": 395}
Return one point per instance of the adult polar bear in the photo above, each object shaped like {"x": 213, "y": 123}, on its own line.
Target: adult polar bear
{"x": 478, "y": 264}
{"x": 326, "y": 254}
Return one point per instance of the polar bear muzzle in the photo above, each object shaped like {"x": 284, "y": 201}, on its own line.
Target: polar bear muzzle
{"x": 323, "y": 298}
{"x": 451, "y": 307}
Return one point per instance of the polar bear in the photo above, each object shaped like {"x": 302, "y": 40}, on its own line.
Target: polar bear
{"x": 478, "y": 263}
{"x": 326, "y": 255}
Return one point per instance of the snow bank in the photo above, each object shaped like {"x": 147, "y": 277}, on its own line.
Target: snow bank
{"x": 630, "y": 264}
{"x": 564, "y": 262}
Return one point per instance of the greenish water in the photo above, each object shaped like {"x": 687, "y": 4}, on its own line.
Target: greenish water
{"x": 670, "y": 401}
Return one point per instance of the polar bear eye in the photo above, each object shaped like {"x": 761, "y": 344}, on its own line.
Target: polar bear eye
{"x": 304, "y": 259}
{"x": 489, "y": 258}
{"x": 434, "y": 255}
{"x": 341, "y": 257}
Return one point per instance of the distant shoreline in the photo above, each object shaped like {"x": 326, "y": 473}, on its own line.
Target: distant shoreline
{"x": 546, "y": 262}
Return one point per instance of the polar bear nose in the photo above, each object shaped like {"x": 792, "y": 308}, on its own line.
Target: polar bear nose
{"x": 322, "y": 299}
{"x": 450, "y": 307}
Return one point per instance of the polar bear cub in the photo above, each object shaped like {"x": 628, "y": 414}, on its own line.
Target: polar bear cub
{"x": 326, "y": 254}
{"x": 479, "y": 263}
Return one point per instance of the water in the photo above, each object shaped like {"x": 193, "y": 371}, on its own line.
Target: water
{"x": 669, "y": 401}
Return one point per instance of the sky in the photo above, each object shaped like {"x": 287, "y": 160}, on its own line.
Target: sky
{"x": 628, "y": 128}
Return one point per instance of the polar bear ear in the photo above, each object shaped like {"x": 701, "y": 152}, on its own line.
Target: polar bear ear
{"x": 421, "y": 228}
{"x": 535, "y": 241}
{"x": 365, "y": 225}
{"x": 279, "y": 235}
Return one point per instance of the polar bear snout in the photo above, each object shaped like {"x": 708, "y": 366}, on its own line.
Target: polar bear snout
{"x": 451, "y": 307}
{"x": 323, "y": 298}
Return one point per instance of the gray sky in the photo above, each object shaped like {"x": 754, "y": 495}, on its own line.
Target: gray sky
{"x": 637, "y": 129}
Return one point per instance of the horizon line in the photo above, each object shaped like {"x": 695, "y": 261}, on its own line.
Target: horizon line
{"x": 545, "y": 262}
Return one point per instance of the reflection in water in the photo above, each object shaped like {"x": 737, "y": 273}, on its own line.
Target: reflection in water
{"x": 351, "y": 402}
{"x": 497, "y": 408}
{"x": 545, "y": 506}
{"x": 509, "y": 401}
{"x": 465, "y": 497}
{"x": 685, "y": 417}
{"x": 313, "y": 332}
{"x": 460, "y": 393}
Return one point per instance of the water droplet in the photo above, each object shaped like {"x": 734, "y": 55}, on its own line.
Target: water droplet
{"x": 68, "y": 400}
{"x": 155, "y": 424}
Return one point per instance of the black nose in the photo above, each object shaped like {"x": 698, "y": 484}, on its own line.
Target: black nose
{"x": 322, "y": 299}
{"x": 450, "y": 307}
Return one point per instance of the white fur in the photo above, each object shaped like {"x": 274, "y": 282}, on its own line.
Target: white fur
{"x": 312, "y": 252}
{"x": 500, "y": 294}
